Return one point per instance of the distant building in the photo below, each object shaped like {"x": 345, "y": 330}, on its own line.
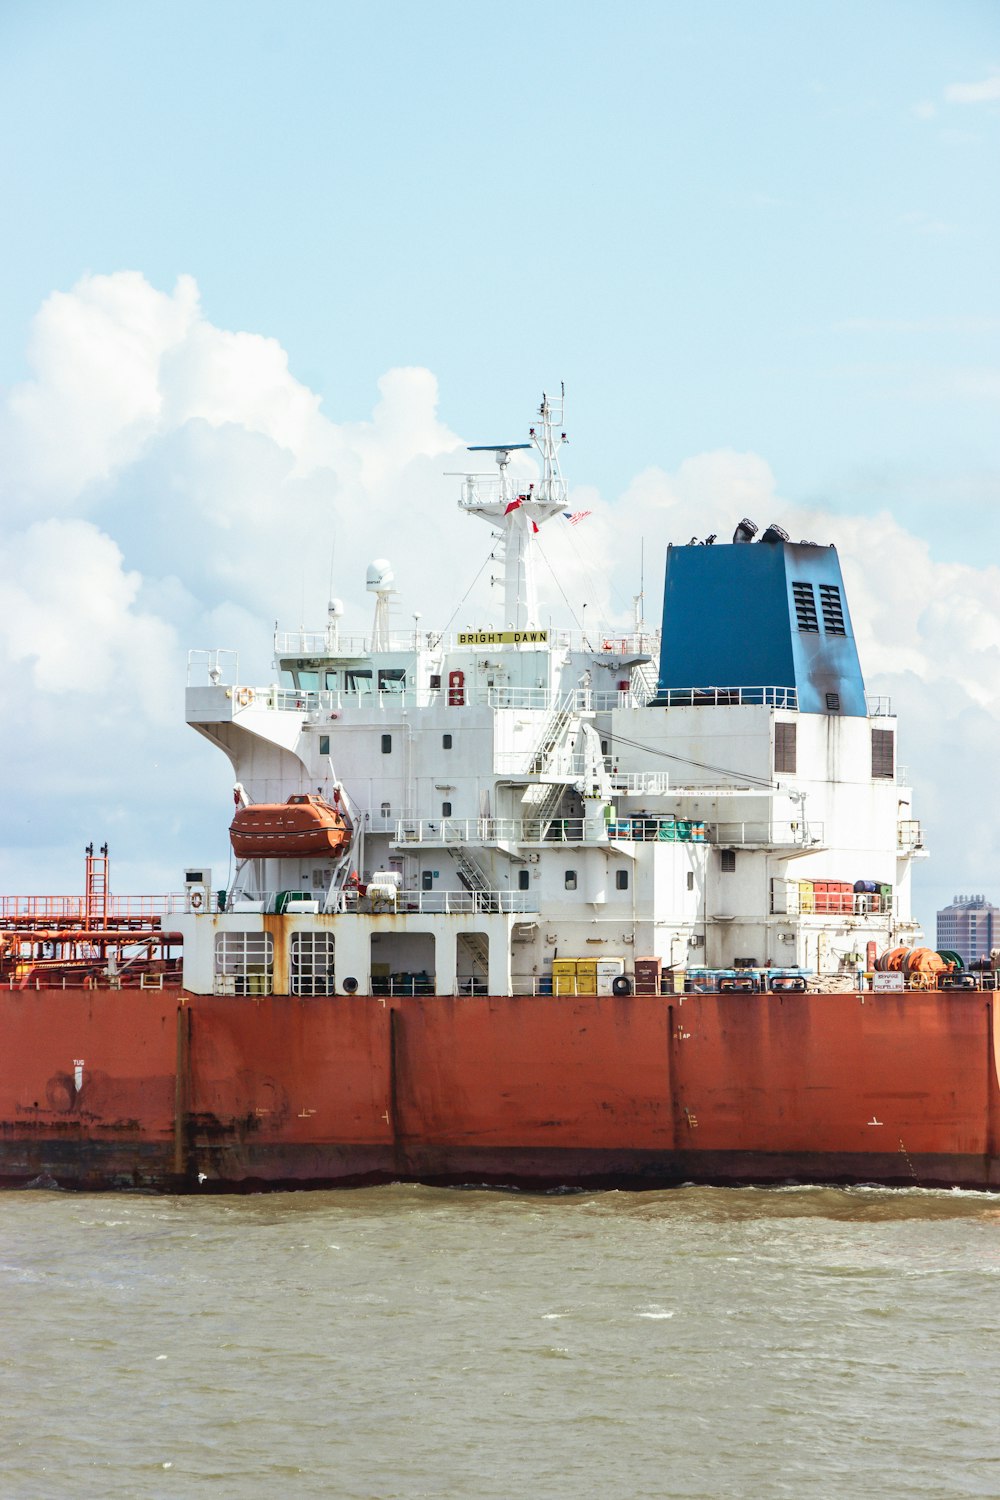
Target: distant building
{"x": 970, "y": 926}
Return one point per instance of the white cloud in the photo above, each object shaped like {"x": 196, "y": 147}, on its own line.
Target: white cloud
{"x": 66, "y": 609}
{"x": 982, "y": 92}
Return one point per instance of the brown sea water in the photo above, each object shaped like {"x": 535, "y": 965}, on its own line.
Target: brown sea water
{"x": 406, "y": 1342}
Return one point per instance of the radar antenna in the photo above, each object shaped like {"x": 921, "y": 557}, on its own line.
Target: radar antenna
{"x": 518, "y": 509}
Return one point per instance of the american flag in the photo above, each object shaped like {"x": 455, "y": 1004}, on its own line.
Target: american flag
{"x": 576, "y": 516}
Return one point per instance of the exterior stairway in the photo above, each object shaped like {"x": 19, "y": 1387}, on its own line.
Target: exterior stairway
{"x": 551, "y": 739}
{"x": 644, "y": 678}
{"x": 475, "y": 947}
{"x": 475, "y": 880}
{"x": 539, "y": 806}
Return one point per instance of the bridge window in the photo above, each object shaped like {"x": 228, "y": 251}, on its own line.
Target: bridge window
{"x": 391, "y": 679}
{"x": 244, "y": 963}
{"x": 784, "y": 747}
{"x": 359, "y": 680}
{"x": 311, "y": 969}
{"x": 805, "y": 606}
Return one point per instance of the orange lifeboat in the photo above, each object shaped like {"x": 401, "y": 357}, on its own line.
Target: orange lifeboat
{"x": 305, "y": 824}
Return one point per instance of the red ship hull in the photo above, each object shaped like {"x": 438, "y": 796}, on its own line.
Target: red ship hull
{"x": 106, "y": 1088}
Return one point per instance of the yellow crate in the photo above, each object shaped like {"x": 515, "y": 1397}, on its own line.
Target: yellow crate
{"x": 586, "y": 976}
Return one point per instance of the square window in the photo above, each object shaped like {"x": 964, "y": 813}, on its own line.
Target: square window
{"x": 386, "y": 810}
{"x": 690, "y": 880}
{"x": 621, "y": 880}
{"x": 324, "y": 744}
{"x": 387, "y": 744}
{"x": 570, "y": 880}
{"x": 427, "y": 880}
{"x": 446, "y": 809}
{"x": 446, "y": 742}
{"x": 523, "y": 880}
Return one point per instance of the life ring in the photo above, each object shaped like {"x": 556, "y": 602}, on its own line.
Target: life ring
{"x": 621, "y": 985}
{"x": 197, "y": 900}
{"x": 245, "y": 697}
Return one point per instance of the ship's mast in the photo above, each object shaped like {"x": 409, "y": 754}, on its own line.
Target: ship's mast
{"x": 519, "y": 509}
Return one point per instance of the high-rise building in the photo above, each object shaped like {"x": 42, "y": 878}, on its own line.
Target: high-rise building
{"x": 970, "y": 926}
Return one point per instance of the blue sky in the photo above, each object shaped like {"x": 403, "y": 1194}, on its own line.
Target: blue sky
{"x": 766, "y": 231}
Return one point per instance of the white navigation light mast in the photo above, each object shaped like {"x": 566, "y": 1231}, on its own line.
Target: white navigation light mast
{"x": 519, "y": 509}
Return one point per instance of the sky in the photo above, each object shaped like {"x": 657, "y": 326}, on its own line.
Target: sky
{"x": 266, "y": 270}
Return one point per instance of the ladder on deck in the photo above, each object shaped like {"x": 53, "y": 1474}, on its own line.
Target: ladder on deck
{"x": 96, "y": 908}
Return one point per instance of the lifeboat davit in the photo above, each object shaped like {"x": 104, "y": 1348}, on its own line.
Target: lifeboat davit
{"x": 305, "y": 824}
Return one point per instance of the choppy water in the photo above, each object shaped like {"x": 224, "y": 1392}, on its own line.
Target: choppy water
{"x": 405, "y": 1342}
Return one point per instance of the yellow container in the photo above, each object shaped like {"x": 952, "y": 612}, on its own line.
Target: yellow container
{"x": 807, "y": 896}
{"x": 586, "y": 976}
{"x": 564, "y": 976}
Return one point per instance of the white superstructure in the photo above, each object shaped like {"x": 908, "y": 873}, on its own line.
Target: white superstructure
{"x": 519, "y": 796}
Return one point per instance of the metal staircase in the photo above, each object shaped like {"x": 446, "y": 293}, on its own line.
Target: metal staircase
{"x": 644, "y": 679}
{"x": 475, "y": 880}
{"x": 476, "y": 948}
{"x": 540, "y": 805}
{"x": 552, "y": 737}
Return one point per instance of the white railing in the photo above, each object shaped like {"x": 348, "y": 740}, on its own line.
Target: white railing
{"x": 768, "y": 835}
{"x": 207, "y": 668}
{"x": 727, "y": 697}
{"x": 346, "y": 902}
{"x": 487, "y": 830}
{"x": 320, "y": 704}
{"x": 643, "y": 829}
{"x": 318, "y": 646}
{"x": 639, "y": 783}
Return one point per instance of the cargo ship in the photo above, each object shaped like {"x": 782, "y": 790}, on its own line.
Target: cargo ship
{"x": 522, "y": 905}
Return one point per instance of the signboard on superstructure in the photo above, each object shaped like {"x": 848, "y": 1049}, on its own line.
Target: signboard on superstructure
{"x": 503, "y": 637}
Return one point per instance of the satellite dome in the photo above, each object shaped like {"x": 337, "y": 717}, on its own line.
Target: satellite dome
{"x": 380, "y": 576}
